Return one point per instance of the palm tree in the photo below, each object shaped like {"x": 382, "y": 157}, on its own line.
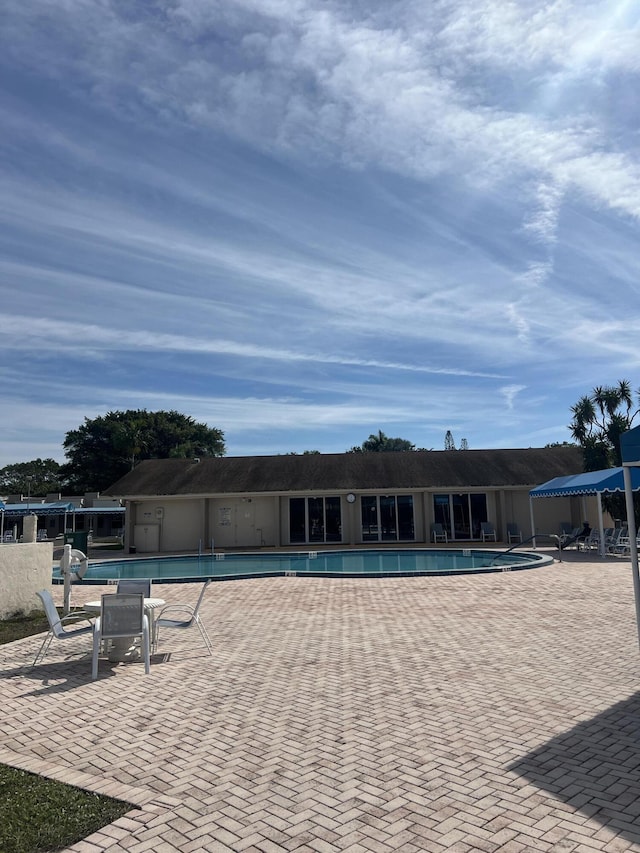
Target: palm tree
{"x": 599, "y": 420}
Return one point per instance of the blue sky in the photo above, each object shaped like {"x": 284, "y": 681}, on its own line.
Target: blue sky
{"x": 301, "y": 221}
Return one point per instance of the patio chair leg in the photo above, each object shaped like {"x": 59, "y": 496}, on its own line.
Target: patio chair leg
{"x": 205, "y": 636}
{"x": 146, "y": 641}
{"x": 97, "y": 642}
{"x": 43, "y": 648}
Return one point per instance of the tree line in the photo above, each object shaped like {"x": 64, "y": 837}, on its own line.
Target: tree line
{"x": 103, "y": 449}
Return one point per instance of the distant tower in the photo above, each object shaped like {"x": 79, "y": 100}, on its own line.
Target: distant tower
{"x": 464, "y": 444}
{"x": 449, "y": 443}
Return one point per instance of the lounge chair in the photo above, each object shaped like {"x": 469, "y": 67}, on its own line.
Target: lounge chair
{"x": 572, "y": 538}
{"x": 590, "y": 542}
{"x": 618, "y": 542}
{"x": 57, "y": 626}
{"x": 488, "y": 532}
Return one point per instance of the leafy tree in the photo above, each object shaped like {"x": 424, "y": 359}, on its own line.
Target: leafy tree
{"x": 377, "y": 443}
{"x": 130, "y": 439}
{"x": 103, "y": 449}
{"x": 36, "y": 478}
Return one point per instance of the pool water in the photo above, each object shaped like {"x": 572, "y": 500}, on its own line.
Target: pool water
{"x": 383, "y": 563}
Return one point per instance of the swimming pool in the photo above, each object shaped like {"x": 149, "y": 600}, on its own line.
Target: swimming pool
{"x": 381, "y": 563}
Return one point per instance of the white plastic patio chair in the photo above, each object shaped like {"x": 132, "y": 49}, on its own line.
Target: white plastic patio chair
{"x": 135, "y": 586}
{"x": 121, "y": 615}
{"x": 514, "y": 534}
{"x": 438, "y": 533}
{"x": 570, "y": 540}
{"x": 614, "y": 541}
{"x": 183, "y": 616}
{"x": 620, "y": 544}
{"x": 591, "y": 542}
{"x": 488, "y": 532}
{"x": 57, "y": 627}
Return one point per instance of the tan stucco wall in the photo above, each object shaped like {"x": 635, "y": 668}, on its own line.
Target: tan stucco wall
{"x": 243, "y": 522}
{"x": 256, "y": 521}
{"x": 550, "y": 513}
{"x": 179, "y": 524}
{"x": 24, "y": 569}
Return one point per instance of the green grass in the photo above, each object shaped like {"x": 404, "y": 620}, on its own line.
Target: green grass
{"x": 17, "y": 627}
{"x": 39, "y": 815}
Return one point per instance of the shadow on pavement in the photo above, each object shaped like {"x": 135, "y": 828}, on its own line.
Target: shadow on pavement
{"x": 595, "y": 768}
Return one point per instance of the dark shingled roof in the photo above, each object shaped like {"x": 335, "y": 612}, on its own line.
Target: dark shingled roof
{"x": 446, "y": 469}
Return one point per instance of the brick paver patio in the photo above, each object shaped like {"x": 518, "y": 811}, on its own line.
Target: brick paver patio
{"x": 487, "y": 713}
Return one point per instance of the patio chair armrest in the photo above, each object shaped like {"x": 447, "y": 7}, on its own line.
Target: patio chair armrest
{"x": 172, "y": 608}
{"x": 78, "y": 616}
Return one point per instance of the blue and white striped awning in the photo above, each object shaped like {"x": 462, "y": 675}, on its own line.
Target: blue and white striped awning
{"x": 630, "y": 446}
{"x": 589, "y": 483}
{"x": 33, "y": 508}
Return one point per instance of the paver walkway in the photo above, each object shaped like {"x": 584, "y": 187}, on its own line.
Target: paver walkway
{"x": 489, "y": 713}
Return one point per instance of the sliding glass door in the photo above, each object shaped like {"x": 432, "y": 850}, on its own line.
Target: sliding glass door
{"x": 387, "y": 518}
{"x": 315, "y": 520}
{"x": 460, "y": 514}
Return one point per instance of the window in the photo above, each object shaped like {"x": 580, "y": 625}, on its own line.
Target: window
{"x": 460, "y": 514}
{"x": 315, "y": 520}
{"x": 387, "y": 518}
{"x": 297, "y": 523}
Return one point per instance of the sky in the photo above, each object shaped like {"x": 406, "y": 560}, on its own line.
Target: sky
{"x": 304, "y": 221}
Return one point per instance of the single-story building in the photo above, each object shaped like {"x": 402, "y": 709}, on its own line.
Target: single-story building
{"x": 351, "y": 499}
{"x": 58, "y": 514}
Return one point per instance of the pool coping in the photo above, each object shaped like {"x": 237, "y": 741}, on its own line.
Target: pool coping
{"x": 537, "y": 561}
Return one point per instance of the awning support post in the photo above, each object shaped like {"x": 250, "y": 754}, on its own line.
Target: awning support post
{"x": 533, "y": 524}
{"x": 633, "y": 542}
{"x": 601, "y": 525}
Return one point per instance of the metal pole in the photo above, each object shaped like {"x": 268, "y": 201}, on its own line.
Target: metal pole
{"x": 65, "y": 568}
{"x": 533, "y": 525}
{"x": 633, "y": 542}
{"x": 601, "y": 524}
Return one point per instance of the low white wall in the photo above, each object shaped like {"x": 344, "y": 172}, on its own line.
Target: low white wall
{"x": 25, "y": 568}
